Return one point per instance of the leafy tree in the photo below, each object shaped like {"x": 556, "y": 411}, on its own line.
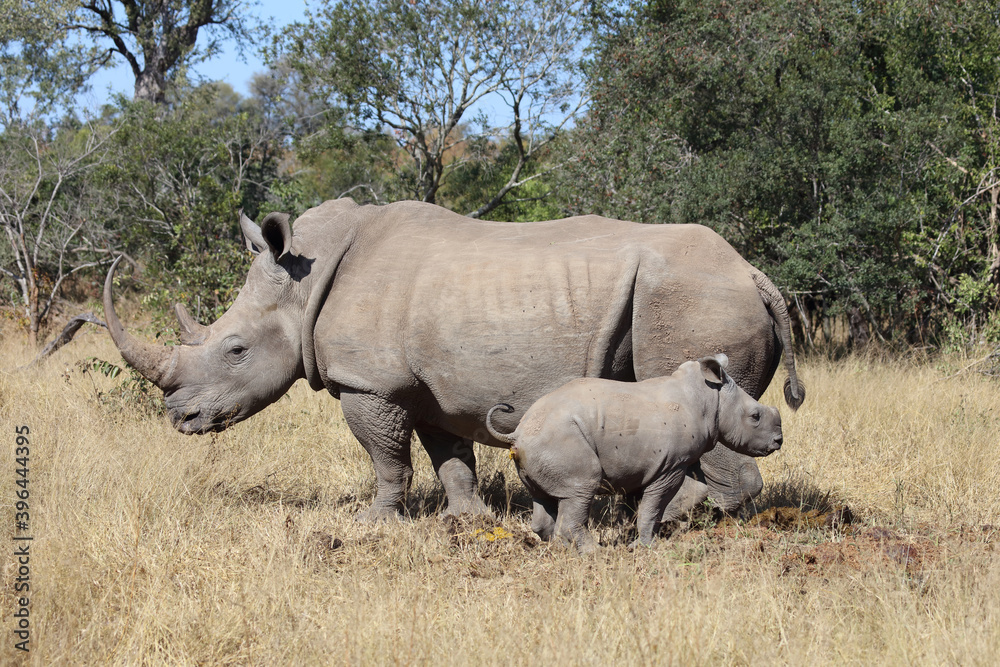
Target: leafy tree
{"x": 205, "y": 156}
{"x": 329, "y": 159}
{"x": 50, "y": 210}
{"x": 419, "y": 68}
{"x": 41, "y": 72}
{"x": 484, "y": 170}
{"x": 159, "y": 38}
{"x": 958, "y": 247}
{"x": 810, "y": 134}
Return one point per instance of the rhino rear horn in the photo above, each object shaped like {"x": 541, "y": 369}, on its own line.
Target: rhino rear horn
{"x": 191, "y": 332}
{"x": 154, "y": 362}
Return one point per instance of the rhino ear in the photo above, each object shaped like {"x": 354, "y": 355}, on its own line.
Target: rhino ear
{"x": 274, "y": 234}
{"x": 277, "y": 234}
{"x": 714, "y": 368}
{"x": 251, "y": 233}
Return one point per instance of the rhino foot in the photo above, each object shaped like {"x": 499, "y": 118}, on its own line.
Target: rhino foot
{"x": 379, "y": 513}
{"x": 746, "y": 484}
{"x": 638, "y": 543}
{"x": 587, "y": 546}
{"x": 474, "y": 506}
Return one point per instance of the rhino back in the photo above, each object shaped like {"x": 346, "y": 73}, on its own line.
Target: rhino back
{"x": 470, "y": 312}
{"x": 476, "y": 311}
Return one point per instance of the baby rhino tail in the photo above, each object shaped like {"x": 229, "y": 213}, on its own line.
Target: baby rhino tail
{"x": 502, "y": 437}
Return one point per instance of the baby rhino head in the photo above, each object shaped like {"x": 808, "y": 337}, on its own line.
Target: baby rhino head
{"x": 745, "y": 426}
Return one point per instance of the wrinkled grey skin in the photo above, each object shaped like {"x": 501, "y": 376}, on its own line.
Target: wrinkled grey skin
{"x": 418, "y": 319}
{"x": 593, "y": 434}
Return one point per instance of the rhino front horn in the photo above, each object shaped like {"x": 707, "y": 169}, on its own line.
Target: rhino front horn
{"x": 153, "y": 361}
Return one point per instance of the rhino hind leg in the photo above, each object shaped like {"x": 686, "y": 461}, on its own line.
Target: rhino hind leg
{"x": 563, "y": 474}
{"x": 543, "y": 518}
{"x": 383, "y": 428}
{"x": 454, "y": 461}
{"x": 571, "y": 522}
{"x": 732, "y": 478}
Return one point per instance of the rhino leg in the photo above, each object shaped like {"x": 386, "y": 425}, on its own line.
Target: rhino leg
{"x": 454, "y": 461}
{"x": 383, "y": 428}
{"x": 732, "y": 478}
{"x": 575, "y": 490}
{"x": 654, "y": 501}
{"x": 571, "y": 521}
{"x": 691, "y": 494}
{"x": 543, "y": 517}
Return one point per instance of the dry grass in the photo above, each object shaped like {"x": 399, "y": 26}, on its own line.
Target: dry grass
{"x": 155, "y": 548}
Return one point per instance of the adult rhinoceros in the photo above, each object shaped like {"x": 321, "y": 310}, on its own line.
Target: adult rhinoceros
{"x": 421, "y": 319}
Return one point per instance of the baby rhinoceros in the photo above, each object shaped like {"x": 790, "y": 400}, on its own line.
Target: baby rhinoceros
{"x": 629, "y": 437}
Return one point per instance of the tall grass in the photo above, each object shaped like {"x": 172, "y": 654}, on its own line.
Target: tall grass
{"x": 241, "y": 548}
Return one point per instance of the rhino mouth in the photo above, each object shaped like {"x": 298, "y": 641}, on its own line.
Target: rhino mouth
{"x": 195, "y": 422}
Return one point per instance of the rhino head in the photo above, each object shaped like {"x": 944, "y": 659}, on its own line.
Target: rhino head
{"x": 233, "y": 368}
{"x": 745, "y": 425}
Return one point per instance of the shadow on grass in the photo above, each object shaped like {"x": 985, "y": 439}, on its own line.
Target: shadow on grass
{"x": 503, "y": 499}
{"x": 795, "y": 503}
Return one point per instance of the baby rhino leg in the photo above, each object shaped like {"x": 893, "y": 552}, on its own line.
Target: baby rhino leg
{"x": 571, "y": 524}
{"x": 562, "y": 473}
{"x": 655, "y": 498}
{"x": 543, "y": 519}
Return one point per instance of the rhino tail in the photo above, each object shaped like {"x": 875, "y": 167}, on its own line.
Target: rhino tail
{"x": 795, "y": 390}
{"x": 506, "y": 438}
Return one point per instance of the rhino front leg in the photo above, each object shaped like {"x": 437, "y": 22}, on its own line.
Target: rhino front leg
{"x": 454, "y": 461}
{"x": 383, "y": 428}
{"x": 691, "y": 494}
{"x": 654, "y": 501}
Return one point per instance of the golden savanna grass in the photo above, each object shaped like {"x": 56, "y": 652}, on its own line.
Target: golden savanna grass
{"x": 241, "y": 548}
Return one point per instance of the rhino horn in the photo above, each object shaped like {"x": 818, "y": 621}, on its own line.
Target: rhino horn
{"x": 153, "y": 361}
{"x": 191, "y": 333}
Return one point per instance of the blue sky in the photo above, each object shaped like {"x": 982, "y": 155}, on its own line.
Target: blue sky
{"x": 227, "y": 66}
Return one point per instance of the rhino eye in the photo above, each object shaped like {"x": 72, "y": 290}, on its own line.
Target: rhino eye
{"x": 237, "y": 351}
{"x": 755, "y": 416}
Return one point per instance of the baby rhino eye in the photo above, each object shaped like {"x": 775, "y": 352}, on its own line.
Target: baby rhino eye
{"x": 755, "y": 416}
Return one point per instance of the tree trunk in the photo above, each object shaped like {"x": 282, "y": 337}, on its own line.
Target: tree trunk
{"x": 994, "y": 226}
{"x": 33, "y": 313}
{"x": 150, "y": 86}
{"x": 860, "y": 336}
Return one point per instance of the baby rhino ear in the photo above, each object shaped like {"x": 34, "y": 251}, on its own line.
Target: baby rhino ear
{"x": 714, "y": 368}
